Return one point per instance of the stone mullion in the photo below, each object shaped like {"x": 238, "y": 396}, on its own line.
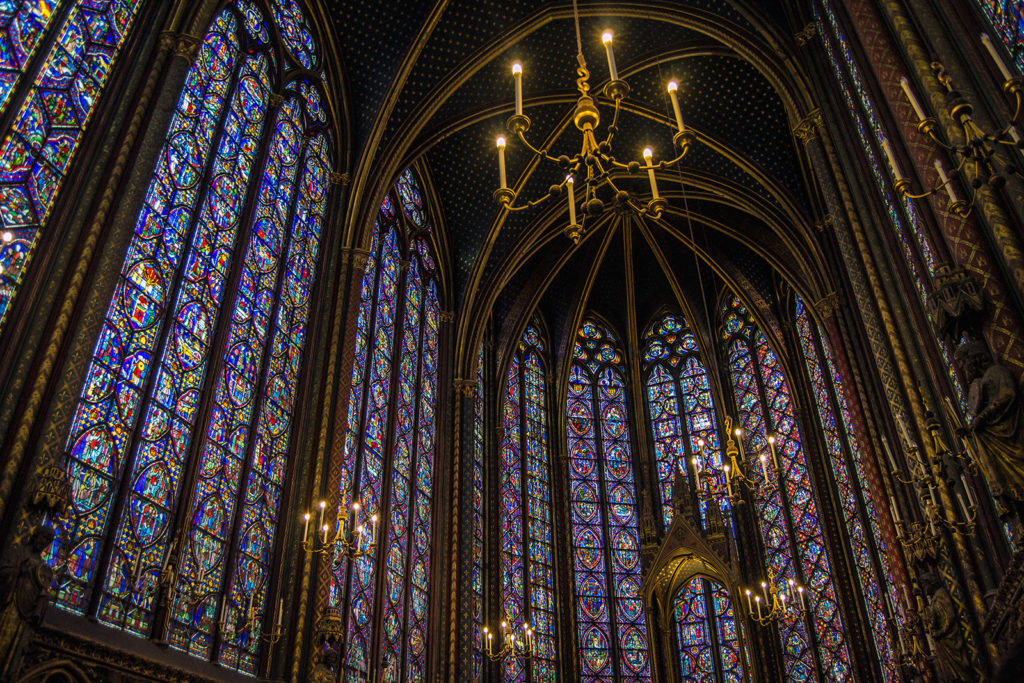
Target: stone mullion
{"x": 34, "y": 421}
{"x": 854, "y": 243}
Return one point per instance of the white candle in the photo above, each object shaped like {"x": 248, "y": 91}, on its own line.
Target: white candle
{"x": 994, "y": 53}
{"x": 672, "y": 87}
{"x": 757, "y": 601}
{"x": 280, "y": 612}
{"x": 963, "y": 507}
{"x": 903, "y": 431}
{"x": 501, "y": 178}
{"x": 887, "y": 148}
{"x": 739, "y": 442}
{"x": 606, "y": 38}
{"x": 325, "y": 529}
{"x": 967, "y": 489}
{"x": 490, "y": 644}
{"x": 649, "y": 158}
{"x": 905, "y": 84}
{"x": 571, "y": 184}
{"x": 1014, "y": 135}
{"x": 892, "y": 460}
{"x": 696, "y": 475}
{"x": 950, "y": 190}
{"x": 305, "y": 531}
{"x": 771, "y": 445}
{"x": 895, "y": 510}
{"x": 728, "y": 483}
{"x": 750, "y": 607}
{"x": 517, "y": 75}
{"x": 322, "y": 505}
{"x": 373, "y": 529}
{"x": 800, "y": 590}
{"x": 764, "y": 466}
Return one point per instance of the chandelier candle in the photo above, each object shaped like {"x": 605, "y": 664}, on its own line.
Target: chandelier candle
{"x": 912, "y": 98}
{"x": 501, "y": 164}
{"x": 950, "y": 190}
{"x": 987, "y": 42}
{"x": 517, "y": 74}
{"x": 649, "y": 158}
{"x": 606, "y": 38}
{"x": 672, "y": 88}
{"x": 887, "y": 148}
{"x": 771, "y": 445}
{"x": 570, "y": 183}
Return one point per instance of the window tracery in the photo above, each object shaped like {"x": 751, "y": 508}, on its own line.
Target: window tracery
{"x": 179, "y": 445}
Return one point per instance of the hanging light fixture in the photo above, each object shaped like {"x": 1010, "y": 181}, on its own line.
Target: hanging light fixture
{"x": 594, "y": 169}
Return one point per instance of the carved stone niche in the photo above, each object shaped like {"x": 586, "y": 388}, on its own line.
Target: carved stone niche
{"x": 957, "y": 304}
{"x": 686, "y": 553}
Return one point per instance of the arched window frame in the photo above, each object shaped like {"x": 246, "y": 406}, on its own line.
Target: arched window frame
{"x": 525, "y": 468}
{"x": 597, "y": 355}
{"x": 702, "y": 607}
{"x": 816, "y": 643}
{"x": 400, "y": 335}
{"x": 275, "y": 168}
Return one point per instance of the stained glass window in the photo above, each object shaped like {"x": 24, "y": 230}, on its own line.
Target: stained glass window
{"x": 155, "y": 491}
{"x": 785, "y": 504}
{"x": 611, "y": 631}
{"x": 706, "y": 630}
{"x": 478, "y": 515}
{"x": 1007, "y": 17}
{"x": 860, "y": 514}
{"x": 53, "y": 111}
{"x": 686, "y": 440}
{"x": 388, "y": 466}
{"x": 527, "y": 564}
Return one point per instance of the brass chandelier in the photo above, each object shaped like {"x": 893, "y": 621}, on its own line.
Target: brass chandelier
{"x": 594, "y": 166}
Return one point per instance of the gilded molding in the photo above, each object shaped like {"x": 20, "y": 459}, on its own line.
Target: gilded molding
{"x": 465, "y": 387}
{"x": 336, "y": 178}
{"x": 447, "y": 317}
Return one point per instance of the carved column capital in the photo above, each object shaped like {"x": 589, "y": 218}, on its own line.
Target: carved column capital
{"x": 336, "y": 178}
{"x": 807, "y": 129}
{"x": 447, "y": 317}
{"x": 465, "y": 387}
{"x": 827, "y": 305}
{"x": 186, "y": 46}
{"x": 807, "y": 33}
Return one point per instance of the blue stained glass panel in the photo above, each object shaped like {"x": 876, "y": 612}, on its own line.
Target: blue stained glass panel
{"x": 105, "y": 417}
{"x": 36, "y": 152}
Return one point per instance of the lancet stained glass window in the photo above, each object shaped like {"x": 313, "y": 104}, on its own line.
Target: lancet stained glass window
{"x": 53, "y": 111}
{"x": 855, "y": 498}
{"x": 388, "y": 465}
{"x": 478, "y": 514}
{"x": 706, "y": 630}
{"x": 785, "y": 504}
{"x": 611, "y": 631}
{"x": 527, "y": 556}
{"x": 163, "y": 504}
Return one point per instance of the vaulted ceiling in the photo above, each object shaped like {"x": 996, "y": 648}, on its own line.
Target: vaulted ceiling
{"x": 429, "y": 84}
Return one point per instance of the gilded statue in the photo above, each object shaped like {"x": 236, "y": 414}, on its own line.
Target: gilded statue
{"x": 952, "y": 658}
{"x": 25, "y": 581}
{"x": 997, "y": 421}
